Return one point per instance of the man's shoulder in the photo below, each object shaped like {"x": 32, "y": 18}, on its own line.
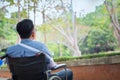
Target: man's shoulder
{"x": 37, "y": 43}
{"x": 12, "y": 47}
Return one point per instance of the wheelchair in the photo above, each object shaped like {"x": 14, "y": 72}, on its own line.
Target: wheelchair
{"x": 32, "y": 68}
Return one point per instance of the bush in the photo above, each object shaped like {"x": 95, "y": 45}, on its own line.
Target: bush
{"x": 87, "y": 56}
{"x": 98, "y": 40}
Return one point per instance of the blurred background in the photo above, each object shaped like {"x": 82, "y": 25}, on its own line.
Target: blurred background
{"x": 67, "y": 27}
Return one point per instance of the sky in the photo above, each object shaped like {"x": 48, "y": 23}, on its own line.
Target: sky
{"x": 81, "y": 7}
{"x": 86, "y": 6}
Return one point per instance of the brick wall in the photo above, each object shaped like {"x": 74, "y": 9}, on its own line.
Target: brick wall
{"x": 97, "y": 72}
{"x": 5, "y": 74}
{"x": 106, "y": 68}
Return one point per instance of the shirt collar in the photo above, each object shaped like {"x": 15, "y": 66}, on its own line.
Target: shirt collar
{"x": 25, "y": 40}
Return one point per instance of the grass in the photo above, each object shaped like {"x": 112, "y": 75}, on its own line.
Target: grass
{"x": 88, "y": 56}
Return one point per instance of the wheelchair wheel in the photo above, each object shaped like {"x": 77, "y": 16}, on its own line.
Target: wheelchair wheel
{"x": 55, "y": 78}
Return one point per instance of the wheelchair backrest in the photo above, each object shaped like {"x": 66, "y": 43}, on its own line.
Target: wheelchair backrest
{"x": 28, "y": 68}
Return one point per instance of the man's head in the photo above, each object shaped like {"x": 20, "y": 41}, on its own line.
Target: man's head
{"x": 25, "y": 29}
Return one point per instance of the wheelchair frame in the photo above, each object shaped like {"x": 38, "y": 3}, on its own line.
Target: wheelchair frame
{"x": 13, "y": 62}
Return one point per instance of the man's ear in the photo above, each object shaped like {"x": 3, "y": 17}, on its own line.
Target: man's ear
{"x": 18, "y": 38}
{"x": 33, "y": 35}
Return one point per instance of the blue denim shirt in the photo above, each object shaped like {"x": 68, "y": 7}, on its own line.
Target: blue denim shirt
{"x": 20, "y": 51}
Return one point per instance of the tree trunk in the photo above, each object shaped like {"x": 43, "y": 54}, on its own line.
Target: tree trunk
{"x": 18, "y": 38}
{"x": 77, "y": 51}
{"x": 60, "y": 50}
{"x": 43, "y": 16}
{"x": 28, "y": 9}
{"x": 18, "y": 10}
{"x": 114, "y": 18}
{"x": 34, "y": 12}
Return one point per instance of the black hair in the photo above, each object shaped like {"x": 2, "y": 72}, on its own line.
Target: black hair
{"x": 25, "y": 28}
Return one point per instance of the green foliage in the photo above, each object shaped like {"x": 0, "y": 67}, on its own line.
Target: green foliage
{"x": 10, "y": 1}
{"x": 118, "y": 10}
{"x": 100, "y": 37}
{"x": 54, "y": 38}
{"x": 7, "y": 32}
{"x": 58, "y": 50}
{"x": 88, "y": 56}
{"x": 100, "y": 16}
{"x": 2, "y": 53}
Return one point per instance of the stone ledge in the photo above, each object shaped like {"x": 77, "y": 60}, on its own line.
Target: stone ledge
{"x": 93, "y": 61}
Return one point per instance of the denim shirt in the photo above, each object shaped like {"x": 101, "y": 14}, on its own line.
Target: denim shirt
{"x": 20, "y": 51}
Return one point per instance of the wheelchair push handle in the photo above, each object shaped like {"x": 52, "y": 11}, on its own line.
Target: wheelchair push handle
{"x": 4, "y": 56}
{"x": 1, "y": 59}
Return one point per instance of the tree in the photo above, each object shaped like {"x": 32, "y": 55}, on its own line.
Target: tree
{"x": 35, "y": 6}
{"x": 100, "y": 36}
{"x": 112, "y": 7}
{"x": 18, "y": 4}
{"x": 13, "y": 3}
{"x": 62, "y": 24}
{"x": 44, "y": 5}
{"x": 100, "y": 39}
{"x": 6, "y": 32}
{"x": 49, "y": 10}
